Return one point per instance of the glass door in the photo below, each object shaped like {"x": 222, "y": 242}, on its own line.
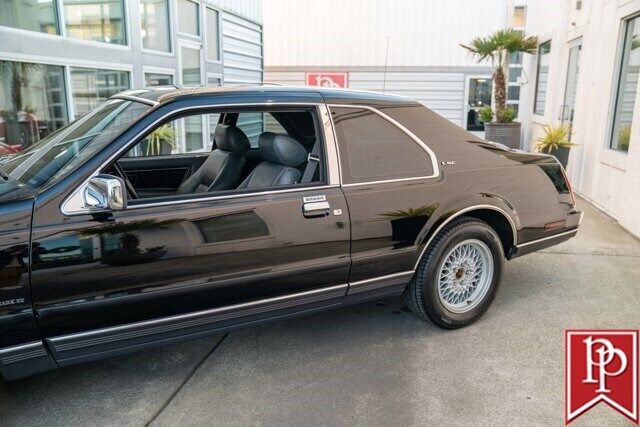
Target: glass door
{"x": 568, "y": 106}
{"x": 478, "y": 96}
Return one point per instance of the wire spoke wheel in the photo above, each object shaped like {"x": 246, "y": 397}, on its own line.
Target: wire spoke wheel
{"x": 465, "y": 276}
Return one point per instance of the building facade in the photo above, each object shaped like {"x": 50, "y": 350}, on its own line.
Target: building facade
{"x": 61, "y": 58}
{"x": 409, "y": 48}
{"x": 585, "y": 76}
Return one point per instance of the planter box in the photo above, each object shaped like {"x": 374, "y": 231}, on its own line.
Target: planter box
{"x": 504, "y": 133}
{"x": 562, "y": 154}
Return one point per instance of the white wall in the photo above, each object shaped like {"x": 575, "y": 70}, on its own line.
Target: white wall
{"x": 609, "y": 178}
{"x": 355, "y": 32}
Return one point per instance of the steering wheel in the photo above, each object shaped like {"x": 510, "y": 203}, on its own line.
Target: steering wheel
{"x": 120, "y": 172}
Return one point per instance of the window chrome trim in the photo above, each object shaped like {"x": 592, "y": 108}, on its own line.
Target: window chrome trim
{"x": 135, "y": 99}
{"x": 460, "y": 212}
{"x": 402, "y": 128}
{"x": 72, "y": 204}
{"x": 319, "y": 188}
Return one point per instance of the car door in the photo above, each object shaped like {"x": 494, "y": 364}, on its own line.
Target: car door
{"x": 161, "y": 270}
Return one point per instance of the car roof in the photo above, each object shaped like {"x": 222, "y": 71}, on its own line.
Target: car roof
{"x": 166, "y": 94}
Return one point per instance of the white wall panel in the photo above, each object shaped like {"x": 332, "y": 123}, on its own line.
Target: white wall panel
{"x": 242, "y": 50}
{"x": 251, "y": 9}
{"x": 443, "y": 92}
{"x": 355, "y": 32}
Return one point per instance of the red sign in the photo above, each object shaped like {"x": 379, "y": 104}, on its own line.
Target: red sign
{"x": 601, "y": 366}
{"x": 327, "y": 79}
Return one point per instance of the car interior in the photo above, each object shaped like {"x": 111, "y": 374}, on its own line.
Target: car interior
{"x": 283, "y": 148}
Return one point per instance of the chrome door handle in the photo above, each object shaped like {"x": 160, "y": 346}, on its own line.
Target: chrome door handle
{"x": 316, "y": 209}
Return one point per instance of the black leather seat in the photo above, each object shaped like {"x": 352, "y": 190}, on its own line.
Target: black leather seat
{"x": 282, "y": 155}
{"x": 223, "y": 168}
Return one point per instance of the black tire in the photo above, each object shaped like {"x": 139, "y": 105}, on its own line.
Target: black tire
{"x": 421, "y": 295}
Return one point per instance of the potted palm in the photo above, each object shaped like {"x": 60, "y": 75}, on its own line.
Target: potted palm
{"x": 497, "y": 49}
{"x": 555, "y": 141}
{"x": 160, "y": 141}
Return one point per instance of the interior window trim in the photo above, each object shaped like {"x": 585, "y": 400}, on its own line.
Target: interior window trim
{"x": 400, "y": 127}
{"x": 72, "y": 204}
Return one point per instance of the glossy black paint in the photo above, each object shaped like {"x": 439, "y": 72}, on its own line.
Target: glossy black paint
{"x": 93, "y": 272}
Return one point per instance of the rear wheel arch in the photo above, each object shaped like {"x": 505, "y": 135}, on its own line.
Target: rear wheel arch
{"x": 497, "y": 218}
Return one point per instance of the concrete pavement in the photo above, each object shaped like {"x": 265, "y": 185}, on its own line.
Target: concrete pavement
{"x": 372, "y": 364}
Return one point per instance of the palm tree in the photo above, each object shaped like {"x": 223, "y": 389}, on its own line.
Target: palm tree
{"x": 497, "y": 48}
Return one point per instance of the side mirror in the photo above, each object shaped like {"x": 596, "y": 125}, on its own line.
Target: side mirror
{"x": 104, "y": 193}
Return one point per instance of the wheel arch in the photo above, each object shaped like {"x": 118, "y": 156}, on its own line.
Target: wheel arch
{"x": 496, "y": 217}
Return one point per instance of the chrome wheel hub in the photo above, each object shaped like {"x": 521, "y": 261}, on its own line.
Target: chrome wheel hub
{"x": 465, "y": 275}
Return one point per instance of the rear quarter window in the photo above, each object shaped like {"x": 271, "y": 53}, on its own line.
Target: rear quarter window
{"x": 374, "y": 149}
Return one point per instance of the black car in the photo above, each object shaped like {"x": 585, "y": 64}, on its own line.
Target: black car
{"x": 170, "y": 214}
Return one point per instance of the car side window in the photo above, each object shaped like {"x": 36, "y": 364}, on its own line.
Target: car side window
{"x": 222, "y": 151}
{"x": 374, "y": 149}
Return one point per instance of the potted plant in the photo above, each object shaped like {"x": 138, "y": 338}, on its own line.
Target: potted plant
{"x": 497, "y": 49}
{"x": 160, "y": 141}
{"x": 555, "y": 141}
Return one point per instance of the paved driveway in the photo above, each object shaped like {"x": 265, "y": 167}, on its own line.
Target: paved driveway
{"x": 369, "y": 364}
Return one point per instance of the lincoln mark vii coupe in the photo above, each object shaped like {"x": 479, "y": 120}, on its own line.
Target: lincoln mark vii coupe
{"x": 167, "y": 214}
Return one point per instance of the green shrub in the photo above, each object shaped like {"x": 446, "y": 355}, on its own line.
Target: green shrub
{"x": 507, "y": 115}
{"x": 555, "y": 136}
{"x": 485, "y": 114}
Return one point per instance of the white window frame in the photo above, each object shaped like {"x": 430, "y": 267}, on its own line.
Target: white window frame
{"x": 613, "y": 99}
{"x": 205, "y": 37}
{"x": 190, "y": 36}
{"x": 535, "y": 88}
{"x": 158, "y": 70}
{"x": 127, "y": 29}
{"x": 172, "y": 50}
{"x": 59, "y": 9}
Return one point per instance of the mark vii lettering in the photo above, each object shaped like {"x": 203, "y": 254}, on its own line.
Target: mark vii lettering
{"x": 9, "y": 302}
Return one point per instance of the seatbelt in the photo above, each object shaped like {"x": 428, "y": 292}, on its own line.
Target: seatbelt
{"x": 313, "y": 160}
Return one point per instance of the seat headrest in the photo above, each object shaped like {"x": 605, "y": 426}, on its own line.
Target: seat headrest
{"x": 231, "y": 138}
{"x": 281, "y": 149}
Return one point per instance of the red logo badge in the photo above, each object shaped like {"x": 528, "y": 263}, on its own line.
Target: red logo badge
{"x": 601, "y": 366}
{"x": 327, "y": 79}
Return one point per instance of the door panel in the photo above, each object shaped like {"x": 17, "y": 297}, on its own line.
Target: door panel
{"x": 154, "y": 262}
{"x": 385, "y": 237}
{"x": 160, "y": 175}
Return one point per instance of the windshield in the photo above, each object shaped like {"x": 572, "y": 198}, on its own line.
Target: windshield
{"x": 61, "y": 152}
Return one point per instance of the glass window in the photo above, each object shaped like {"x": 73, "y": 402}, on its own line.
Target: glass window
{"x": 182, "y": 138}
{"x": 374, "y": 149}
{"x": 96, "y": 20}
{"x": 213, "y": 41}
{"x": 513, "y": 93}
{"x": 154, "y": 17}
{"x": 188, "y": 17}
{"x": 519, "y": 16}
{"x": 157, "y": 79}
{"x": 252, "y": 124}
{"x": 91, "y": 87}
{"x": 191, "y": 67}
{"x": 32, "y": 103}
{"x": 542, "y": 77}
{"x": 627, "y": 86}
{"x": 32, "y": 15}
